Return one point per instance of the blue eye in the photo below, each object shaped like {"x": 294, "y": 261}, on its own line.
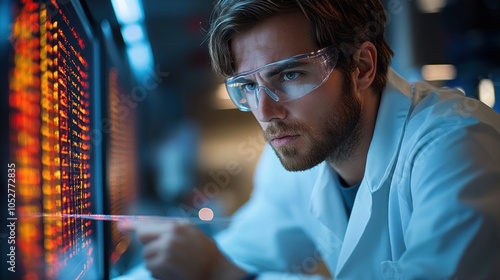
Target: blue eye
{"x": 290, "y": 76}
{"x": 249, "y": 87}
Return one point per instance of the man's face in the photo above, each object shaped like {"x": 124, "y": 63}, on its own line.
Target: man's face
{"x": 322, "y": 125}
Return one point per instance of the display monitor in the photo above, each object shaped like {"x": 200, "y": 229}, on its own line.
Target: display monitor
{"x": 119, "y": 135}
{"x": 52, "y": 162}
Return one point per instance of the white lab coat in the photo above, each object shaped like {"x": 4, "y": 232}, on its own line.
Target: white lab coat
{"x": 428, "y": 206}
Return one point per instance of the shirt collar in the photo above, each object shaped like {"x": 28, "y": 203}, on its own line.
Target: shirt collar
{"x": 391, "y": 119}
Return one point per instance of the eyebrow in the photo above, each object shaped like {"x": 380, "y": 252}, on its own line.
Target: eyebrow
{"x": 284, "y": 67}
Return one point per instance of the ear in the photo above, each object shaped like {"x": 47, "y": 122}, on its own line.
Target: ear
{"x": 367, "y": 65}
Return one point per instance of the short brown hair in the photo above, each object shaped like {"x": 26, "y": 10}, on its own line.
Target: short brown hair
{"x": 345, "y": 24}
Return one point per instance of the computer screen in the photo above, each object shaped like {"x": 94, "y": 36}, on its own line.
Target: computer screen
{"x": 52, "y": 164}
{"x": 118, "y": 122}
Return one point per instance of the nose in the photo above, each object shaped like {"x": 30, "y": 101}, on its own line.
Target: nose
{"x": 268, "y": 107}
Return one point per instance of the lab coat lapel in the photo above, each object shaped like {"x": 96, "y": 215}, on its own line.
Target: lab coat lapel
{"x": 382, "y": 154}
{"x": 327, "y": 206}
{"x": 326, "y": 203}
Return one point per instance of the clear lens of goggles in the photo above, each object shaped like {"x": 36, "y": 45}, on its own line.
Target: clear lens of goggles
{"x": 284, "y": 80}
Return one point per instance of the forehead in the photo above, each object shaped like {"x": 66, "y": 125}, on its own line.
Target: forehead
{"x": 273, "y": 39}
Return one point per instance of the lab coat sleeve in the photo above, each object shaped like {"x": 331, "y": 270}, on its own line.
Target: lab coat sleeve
{"x": 454, "y": 200}
{"x": 266, "y": 236}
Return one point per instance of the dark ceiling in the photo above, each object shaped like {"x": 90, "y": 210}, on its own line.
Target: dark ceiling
{"x": 176, "y": 30}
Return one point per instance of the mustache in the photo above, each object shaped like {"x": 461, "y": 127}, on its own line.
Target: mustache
{"x": 280, "y": 127}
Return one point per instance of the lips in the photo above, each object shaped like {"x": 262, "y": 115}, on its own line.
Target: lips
{"x": 281, "y": 135}
{"x": 283, "y": 139}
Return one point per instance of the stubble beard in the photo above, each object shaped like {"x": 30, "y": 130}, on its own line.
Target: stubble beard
{"x": 335, "y": 141}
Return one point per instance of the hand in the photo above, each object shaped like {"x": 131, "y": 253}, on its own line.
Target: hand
{"x": 179, "y": 250}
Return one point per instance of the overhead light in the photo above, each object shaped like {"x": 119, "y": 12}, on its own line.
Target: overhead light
{"x": 486, "y": 91}
{"x": 5, "y": 21}
{"x": 431, "y": 6}
{"x": 140, "y": 56}
{"x": 439, "y": 72}
{"x": 133, "y": 33}
{"x": 128, "y": 11}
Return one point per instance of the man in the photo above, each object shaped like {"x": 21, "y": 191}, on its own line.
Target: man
{"x": 407, "y": 183}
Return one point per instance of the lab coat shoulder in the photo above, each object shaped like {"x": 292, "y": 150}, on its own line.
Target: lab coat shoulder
{"x": 443, "y": 208}
{"x": 446, "y": 109}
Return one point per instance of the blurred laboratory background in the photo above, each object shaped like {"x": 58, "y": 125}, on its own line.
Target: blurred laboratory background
{"x": 111, "y": 107}
{"x": 188, "y": 131}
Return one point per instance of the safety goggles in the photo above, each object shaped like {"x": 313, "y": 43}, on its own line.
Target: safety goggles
{"x": 284, "y": 80}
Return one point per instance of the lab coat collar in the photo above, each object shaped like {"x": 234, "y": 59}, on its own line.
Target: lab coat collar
{"x": 392, "y": 115}
{"x": 327, "y": 205}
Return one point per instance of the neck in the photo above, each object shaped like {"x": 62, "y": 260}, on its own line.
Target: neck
{"x": 352, "y": 168}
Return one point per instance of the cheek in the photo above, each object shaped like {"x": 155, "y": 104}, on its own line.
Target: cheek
{"x": 263, "y": 125}
{"x": 315, "y": 106}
